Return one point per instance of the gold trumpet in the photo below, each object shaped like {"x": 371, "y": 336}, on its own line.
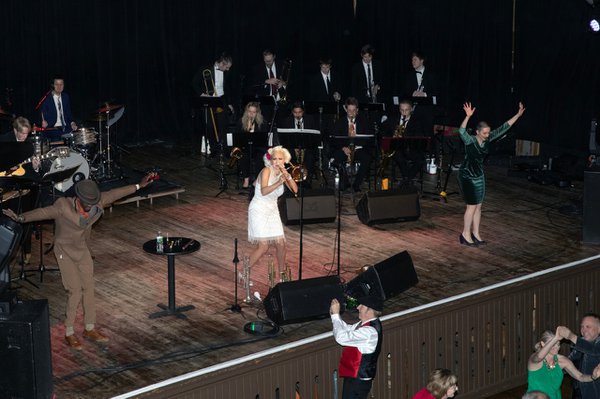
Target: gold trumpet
{"x": 298, "y": 172}
{"x": 235, "y": 155}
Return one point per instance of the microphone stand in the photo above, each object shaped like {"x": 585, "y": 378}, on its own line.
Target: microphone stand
{"x": 235, "y": 307}
{"x": 339, "y": 216}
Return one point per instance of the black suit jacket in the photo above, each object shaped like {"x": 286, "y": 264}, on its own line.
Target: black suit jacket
{"x": 289, "y": 122}
{"x": 256, "y": 84}
{"x": 429, "y": 83}
{"x": 360, "y": 84}
{"x": 199, "y": 88}
{"x": 318, "y": 91}
{"x": 363, "y": 126}
{"x": 414, "y": 127}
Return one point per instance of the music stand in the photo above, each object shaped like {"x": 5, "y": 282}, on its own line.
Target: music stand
{"x": 249, "y": 140}
{"x": 372, "y": 108}
{"x": 208, "y": 103}
{"x": 407, "y": 143}
{"x": 301, "y": 139}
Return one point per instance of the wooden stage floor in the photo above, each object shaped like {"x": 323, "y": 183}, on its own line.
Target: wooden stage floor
{"x": 521, "y": 220}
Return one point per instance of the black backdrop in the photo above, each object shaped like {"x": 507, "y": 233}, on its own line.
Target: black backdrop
{"x": 144, "y": 54}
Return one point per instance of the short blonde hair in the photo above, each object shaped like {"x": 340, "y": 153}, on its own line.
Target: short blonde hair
{"x": 287, "y": 157}
{"x": 440, "y": 380}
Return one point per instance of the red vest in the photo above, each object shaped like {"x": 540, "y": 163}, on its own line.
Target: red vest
{"x": 358, "y": 365}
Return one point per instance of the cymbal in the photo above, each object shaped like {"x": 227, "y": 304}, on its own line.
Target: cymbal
{"x": 11, "y": 154}
{"x": 109, "y": 107}
{"x": 42, "y": 129}
{"x": 97, "y": 118}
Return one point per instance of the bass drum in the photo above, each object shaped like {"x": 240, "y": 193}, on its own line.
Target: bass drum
{"x": 75, "y": 161}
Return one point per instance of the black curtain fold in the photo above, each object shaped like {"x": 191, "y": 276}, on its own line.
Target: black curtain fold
{"x": 144, "y": 54}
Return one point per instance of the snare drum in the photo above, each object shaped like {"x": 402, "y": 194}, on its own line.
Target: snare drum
{"x": 73, "y": 159}
{"x": 84, "y": 137}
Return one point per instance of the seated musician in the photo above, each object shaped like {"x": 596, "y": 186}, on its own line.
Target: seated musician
{"x": 23, "y": 201}
{"x": 56, "y": 111}
{"x": 408, "y": 156}
{"x": 351, "y": 125}
{"x": 252, "y": 121}
{"x": 299, "y": 120}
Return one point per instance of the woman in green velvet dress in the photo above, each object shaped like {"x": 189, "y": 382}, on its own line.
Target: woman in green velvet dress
{"x": 545, "y": 367}
{"x": 470, "y": 177}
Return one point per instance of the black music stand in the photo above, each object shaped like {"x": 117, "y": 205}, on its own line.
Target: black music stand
{"x": 367, "y": 141}
{"x": 208, "y": 103}
{"x": 372, "y": 108}
{"x": 249, "y": 140}
{"x": 301, "y": 139}
{"x": 408, "y": 143}
{"x": 322, "y": 108}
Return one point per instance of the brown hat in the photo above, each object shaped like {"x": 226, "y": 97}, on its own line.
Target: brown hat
{"x": 373, "y": 302}
{"x": 88, "y": 192}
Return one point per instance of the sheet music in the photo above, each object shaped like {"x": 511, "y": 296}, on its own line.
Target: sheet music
{"x": 309, "y": 131}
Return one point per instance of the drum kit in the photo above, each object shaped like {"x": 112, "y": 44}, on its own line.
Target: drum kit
{"x": 85, "y": 151}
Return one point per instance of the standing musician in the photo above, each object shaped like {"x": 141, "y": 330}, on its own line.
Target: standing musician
{"x": 264, "y": 222}
{"x": 74, "y": 217}
{"x": 214, "y": 80}
{"x": 422, "y": 82}
{"x": 267, "y": 78}
{"x": 410, "y": 157}
{"x": 252, "y": 121}
{"x": 325, "y": 85}
{"x": 351, "y": 125}
{"x": 367, "y": 77}
{"x": 56, "y": 111}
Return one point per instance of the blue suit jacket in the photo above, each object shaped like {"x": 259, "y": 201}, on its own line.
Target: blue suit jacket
{"x": 48, "y": 109}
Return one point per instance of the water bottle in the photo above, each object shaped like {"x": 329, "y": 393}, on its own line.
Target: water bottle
{"x": 159, "y": 242}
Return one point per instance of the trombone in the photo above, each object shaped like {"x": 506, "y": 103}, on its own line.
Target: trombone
{"x": 298, "y": 172}
{"x": 211, "y": 91}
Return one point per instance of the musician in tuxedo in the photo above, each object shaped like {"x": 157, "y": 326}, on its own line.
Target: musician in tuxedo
{"x": 325, "y": 86}
{"x": 298, "y": 119}
{"x": 266, "y": 78}
{"x": 422, "y": 82}
{"x": 351, "y": 125}
{"x": 409, "y": 156}
{"x": 56, "y": 111}
{"x": 367, "y": 77}
{"x": 217, "y": 83}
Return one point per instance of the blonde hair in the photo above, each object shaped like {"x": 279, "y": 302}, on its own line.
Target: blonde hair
{"x": 546, "y": 336}
{"x": 258, "y": 120}
{"x": 287, "y": 157}
{"x": 440, "y": 380}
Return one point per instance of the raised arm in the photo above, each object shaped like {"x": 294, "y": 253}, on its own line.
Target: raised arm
{"x": 519, "y": 113}
{"x": 538, "y": 357}
{"x": 469, "y": 111}
{"x": 568, "y": 365}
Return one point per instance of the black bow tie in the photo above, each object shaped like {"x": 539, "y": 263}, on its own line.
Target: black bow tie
{"x": 419, "y": 72}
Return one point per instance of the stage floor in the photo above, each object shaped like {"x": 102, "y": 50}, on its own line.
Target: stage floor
{"x": 528, "y": 227}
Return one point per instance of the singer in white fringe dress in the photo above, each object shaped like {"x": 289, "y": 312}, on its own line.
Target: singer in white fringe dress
{"x": 264, "y": 222}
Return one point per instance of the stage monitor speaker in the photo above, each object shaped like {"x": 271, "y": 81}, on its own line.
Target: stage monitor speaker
{"x": 303, "y": 300}
{"x": 26, "y": 367}
{"x": 10, "y": 236}
{"x": 591, "y": 210}
{"x": 319, "y": 207}
{"x": 389, "y": 206}
{"x": 385, "y": 279}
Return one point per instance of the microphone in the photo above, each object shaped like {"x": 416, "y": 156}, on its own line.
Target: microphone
{"x": 42, "y": 100}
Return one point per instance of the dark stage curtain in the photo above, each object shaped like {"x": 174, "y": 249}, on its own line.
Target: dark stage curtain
{"x": 144, "y": 54}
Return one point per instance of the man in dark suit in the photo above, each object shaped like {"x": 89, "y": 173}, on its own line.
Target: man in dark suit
{"x": 421, "y": 83}
{"x": 56, "y": 111}
{"x": 268, "y": 79}
{"x": 216, "y": 83}
{"x": 367, "y": 77}
{"x": 325, "y": 86}
{"x": 306, "y": 156}
{"x": 351, "y": 125}
{"x": 409, "y": 155}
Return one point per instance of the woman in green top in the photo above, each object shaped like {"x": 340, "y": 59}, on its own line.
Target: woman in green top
{"x": 545, "y": 367}
{"x": 470, "y": 177}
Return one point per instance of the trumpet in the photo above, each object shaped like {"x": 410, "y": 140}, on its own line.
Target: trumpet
{"x": 235, "y": 155}
{"x": 285, "y": 77}
{"x": 298, "y": 172}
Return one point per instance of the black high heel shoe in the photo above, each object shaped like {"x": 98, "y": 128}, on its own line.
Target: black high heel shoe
{"x": 464, "y": 241}
{"x": 478, "y": 242}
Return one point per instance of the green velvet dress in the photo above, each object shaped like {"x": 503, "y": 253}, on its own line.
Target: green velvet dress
{"x": 470, "y": 176}
{"x": 546, "y": 380}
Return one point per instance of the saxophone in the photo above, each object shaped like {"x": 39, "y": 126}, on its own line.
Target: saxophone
{"x": 351, "y": 165}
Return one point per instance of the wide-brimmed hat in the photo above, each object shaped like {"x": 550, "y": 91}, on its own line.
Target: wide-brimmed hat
{"x": 88, "y": 192}
{"x": 373, "y": 302}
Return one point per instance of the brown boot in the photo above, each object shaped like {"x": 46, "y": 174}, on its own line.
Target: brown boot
{"x": 94, "y": 335}
{"x": 73, "y": 342}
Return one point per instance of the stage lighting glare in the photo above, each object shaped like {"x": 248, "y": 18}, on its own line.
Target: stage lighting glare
{"x": 593, "y": 3}
{"x": 595, "y": 25}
